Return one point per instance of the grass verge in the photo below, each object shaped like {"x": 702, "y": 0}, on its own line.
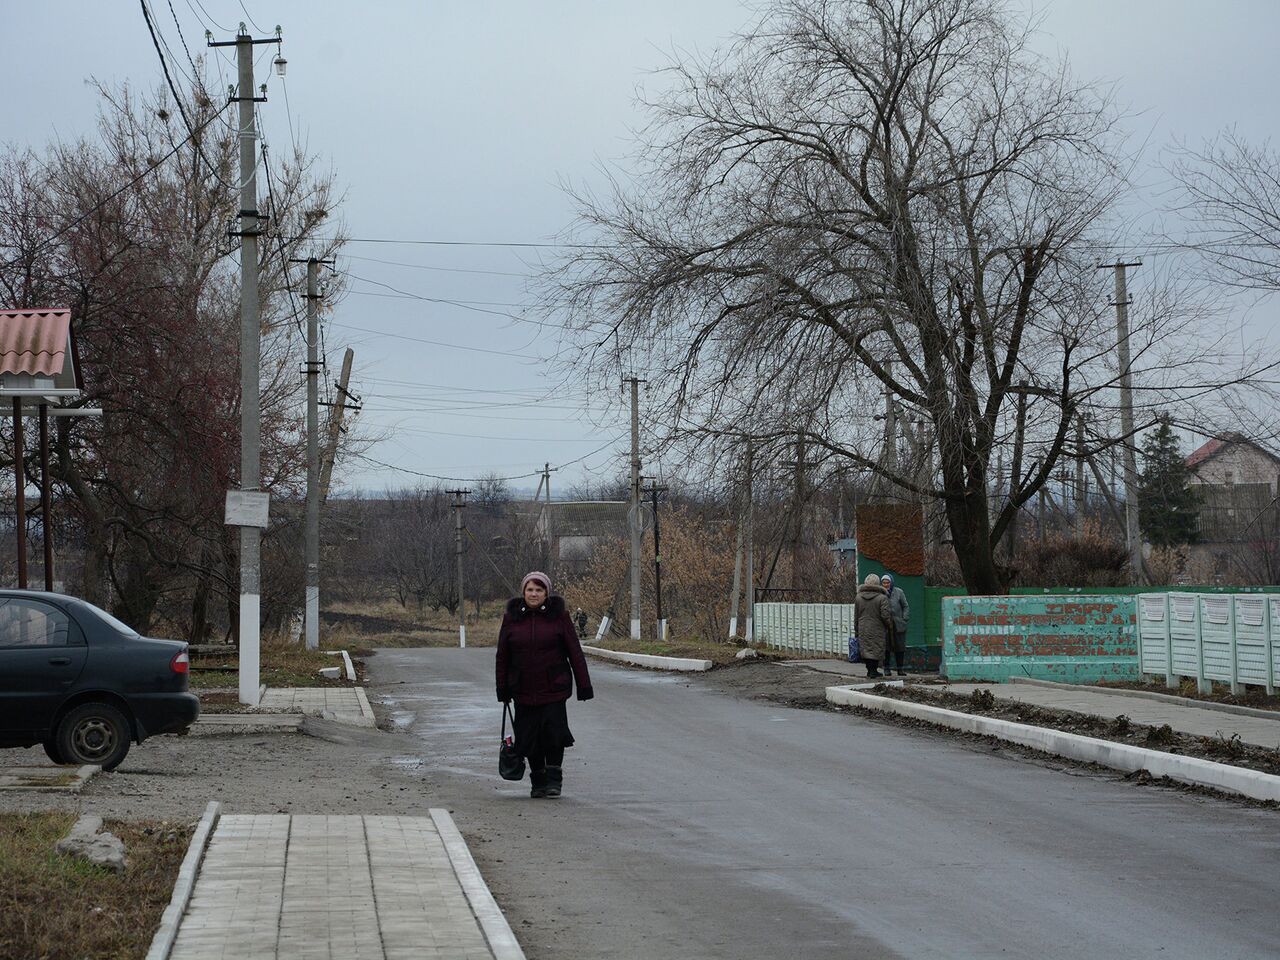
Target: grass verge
{"x": 385, "y": 623}
{"x": 55, "y": 907}
{"x": 280, "y": 665}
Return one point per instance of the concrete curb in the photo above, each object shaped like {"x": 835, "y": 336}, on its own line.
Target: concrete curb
{"x": 348, "y": 668}
{"x": 212, "y": 724}
{"x": 162, "y": 943}
{"x": 497, "y": 932}
{"x": 366, "y": 711}
{"x": 1154, "y": 695}
{"x": 1119, "y": 756}
{"x": 650, "y": 660}
{"x": 30, "y": 780}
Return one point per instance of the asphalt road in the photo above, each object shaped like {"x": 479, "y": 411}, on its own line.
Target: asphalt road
{"x": 698, "y": 824}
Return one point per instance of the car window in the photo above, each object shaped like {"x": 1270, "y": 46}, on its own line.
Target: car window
{"x": 117, "y": 625}
{"x": 29, "y": 623}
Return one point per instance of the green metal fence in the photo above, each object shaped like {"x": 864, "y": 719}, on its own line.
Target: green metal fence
{"x": 1232, "y": 638}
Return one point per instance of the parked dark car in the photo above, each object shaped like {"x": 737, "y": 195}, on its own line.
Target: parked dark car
{"x": 83, "y": 684}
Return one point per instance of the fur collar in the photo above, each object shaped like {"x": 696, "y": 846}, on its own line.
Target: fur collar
{"x": 554, "y": 607}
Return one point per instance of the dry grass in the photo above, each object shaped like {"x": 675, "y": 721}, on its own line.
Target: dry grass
{"x": 384, "y": 623}
{"x": 1250, "y": 696}
{"x": 281, "y": 664}
{"x": 54, "y": 907}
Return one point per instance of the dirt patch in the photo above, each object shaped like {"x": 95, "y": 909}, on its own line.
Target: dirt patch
{"x": 767, "y": 679}
{"x": 280, "y": 665}
{"x": 1118, "y": 729}
{"x": 719, "y": 653}
{"x": 54, "y": 906}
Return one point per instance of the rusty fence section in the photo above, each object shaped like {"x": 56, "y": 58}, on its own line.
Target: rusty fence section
{"x": 1080, "y": 638}
{"x": 1231, "y": 638}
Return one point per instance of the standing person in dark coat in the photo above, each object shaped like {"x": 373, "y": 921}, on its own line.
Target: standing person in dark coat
{"x": 539, "y": 659}
{"x": 874, "y": 623}
{"x": 900, "y": 611}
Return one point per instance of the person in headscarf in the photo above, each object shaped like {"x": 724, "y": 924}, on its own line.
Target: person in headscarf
{"x": 874, "y": 623}
{"x": 901, "y": 613}
{"x": 539, "y": 660}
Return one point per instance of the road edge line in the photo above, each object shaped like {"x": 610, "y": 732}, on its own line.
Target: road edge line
{"x": 167, "y": 933}
{"x": 679, "y": 664}
{"x": 493, "y": 923}
{"x": 1074, "y": 746}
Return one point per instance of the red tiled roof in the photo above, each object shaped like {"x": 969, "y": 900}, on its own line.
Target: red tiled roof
{"x": 34, "y": 341}
{"x": 1204, "y": 452}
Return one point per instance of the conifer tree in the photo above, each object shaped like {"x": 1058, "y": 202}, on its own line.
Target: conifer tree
{"x": 1168, "y": 504}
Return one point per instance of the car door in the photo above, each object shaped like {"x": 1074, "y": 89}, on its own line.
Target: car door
{"x": 42, "y": 653}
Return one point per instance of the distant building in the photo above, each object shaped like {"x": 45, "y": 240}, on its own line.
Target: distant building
{"x": 844, "y": 552}
{"x": 1238, "y": 481}
{"x": 574, "y": 527}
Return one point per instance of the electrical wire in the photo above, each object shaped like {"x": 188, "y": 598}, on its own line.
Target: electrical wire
{"x": 522, "y": 476}
{"x": 439, "y": 343}
{"x": 211, "y": 21}
{"x": 128, "y": 186}
{"x": 195, "y": 73}
{"x": 250, "y": 16}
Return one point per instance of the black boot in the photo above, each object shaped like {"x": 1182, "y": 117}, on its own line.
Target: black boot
{"x": 555, "y": 780}
{"x": 539, "y": 780}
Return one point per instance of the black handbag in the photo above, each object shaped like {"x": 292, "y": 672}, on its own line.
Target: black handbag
{"x": 510, "y": 763}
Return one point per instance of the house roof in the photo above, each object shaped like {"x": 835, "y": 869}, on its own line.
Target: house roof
{"x": 34, "y": 341}
{"x": 1210, "y": 449}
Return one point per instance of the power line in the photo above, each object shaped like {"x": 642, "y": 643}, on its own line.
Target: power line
{"x": 128, "y": 186}
{"x": 250, "y": 16}
{"x": 423, "y": 266}
{"x": 210, "y": 21}
{"x": 437, "y": 343}
{"x": 522, "y": 476}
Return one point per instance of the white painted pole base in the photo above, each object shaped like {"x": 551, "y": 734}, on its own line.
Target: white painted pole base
{"x": 462, "y": 635}
{"x": 635, "y": 629}
{"x": 250, "y": 648}
{"x": 733, "y": 627}
{"x": 662, "y": 630}
{"x": 750, "y": 633}
{"x": 604, "y": 629}
{"x": 313, "y": 618}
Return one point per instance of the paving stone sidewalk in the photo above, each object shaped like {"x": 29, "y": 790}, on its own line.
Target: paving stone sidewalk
{"x": 1190, "y": 719}
{"x": 345, "y": 704}
{"x": 349, "y": 887}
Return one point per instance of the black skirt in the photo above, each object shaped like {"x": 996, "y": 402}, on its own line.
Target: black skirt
{"x": 541, "y": 728}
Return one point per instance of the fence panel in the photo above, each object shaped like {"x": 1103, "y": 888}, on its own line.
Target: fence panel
{"x": 1252, "y": 640}
{"x": 1153, "y": 633}
{"x": 1215, "y": 638}
{"x": 805, "y": 627}
{"x": 1184, "y": 631}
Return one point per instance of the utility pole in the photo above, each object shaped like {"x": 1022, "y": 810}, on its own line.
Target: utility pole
{"x": 654, "y": 490}
{"x": 797, "y": 543}
{"x": 737, "y": 574}
{"x": 250, "y": 360}
{"x": 459, "y": 502}
{"x": 336, "y": 413}
{"x": 46, "y": 498}
{"x": 1133, "y": 536}
{"x": 749, "y": 634}
{"x": 1082, "y": 488}
{"x": 312, "y": 373}
{"x": 634, "y": 513}
{"x": 551, "y": 533}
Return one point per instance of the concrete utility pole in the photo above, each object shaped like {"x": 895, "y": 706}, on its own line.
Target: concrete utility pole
{"x": 312, "y": 373}
{"x": 797, "y": 545}
{"x": 634, "y": 512}
{"x": 336, "y": 413}
{"x": 459, "y": 502}
{"x": 1082, "y": 483}
{"x": 551, "y": 533}
{"x": 1133, "y": 536}
{"x": 737, "y": 576}
{"x": 250, "y": 360}
{"x": 20, "y": 492}
{"x": 654, "y": 490}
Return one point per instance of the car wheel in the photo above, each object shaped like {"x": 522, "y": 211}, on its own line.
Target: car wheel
{"x": 94, "y": 733}
{"x": 52, "y": 752}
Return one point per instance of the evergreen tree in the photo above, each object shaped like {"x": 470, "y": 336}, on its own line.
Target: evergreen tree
{"x": 1168, "y": 506}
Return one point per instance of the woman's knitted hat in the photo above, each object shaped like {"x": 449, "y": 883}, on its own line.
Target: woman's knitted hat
{"x": 871, "y": 581}
{"x": 538, "y": 575}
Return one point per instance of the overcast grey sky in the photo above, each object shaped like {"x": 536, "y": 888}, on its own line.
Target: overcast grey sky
{"x": 457, "y": 121}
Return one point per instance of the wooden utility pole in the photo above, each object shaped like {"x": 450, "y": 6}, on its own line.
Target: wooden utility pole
{"x": 459, "y": 502}
{"x": 336, "y": 413}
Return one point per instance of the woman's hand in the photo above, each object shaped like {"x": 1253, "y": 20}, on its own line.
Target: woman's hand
{"x": 585, "y": 693}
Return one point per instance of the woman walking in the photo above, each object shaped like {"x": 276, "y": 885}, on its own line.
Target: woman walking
{"x": 874, "y": 623}
{"x": 539, "y": 659}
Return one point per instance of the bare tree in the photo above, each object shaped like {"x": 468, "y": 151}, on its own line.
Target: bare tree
{"x": 871, "y": 202}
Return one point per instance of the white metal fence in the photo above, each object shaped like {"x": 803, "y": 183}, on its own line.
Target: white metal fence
{"x": 805, "y": 627}
{"x": 1229, "y": 637}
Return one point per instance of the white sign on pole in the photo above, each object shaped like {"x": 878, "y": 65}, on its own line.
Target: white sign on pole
{"x": 247, "y": 508}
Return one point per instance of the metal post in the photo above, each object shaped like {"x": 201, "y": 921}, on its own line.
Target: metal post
{"x": 20, "y": 484}
{"x": 46, "y": 498}
{"x": 313, "y": 457}
{"x": 250, "y": 358}
{"x": 1133, "y": 536}
{"x": 458, "y": 504}
{"x": 657, "y": 562}
{"x": 635, "y": 507}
